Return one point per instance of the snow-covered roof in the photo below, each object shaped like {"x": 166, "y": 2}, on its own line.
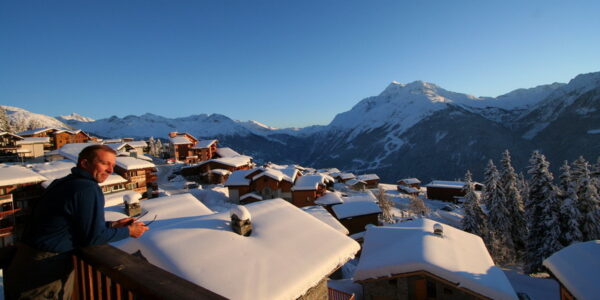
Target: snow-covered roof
{"x": 308, "y": 183}
{"x": 367, "y": 177}
{"x": 251, "y": 195}
{"x": 204, "y": 144}
{"x": 355, "y": 208}
{"x": 362, "y": 196}
{"x": 238, "y": 178}
{"x": 3, "y": 133}
{"x": 53, "y": 170}
{"x": 226, "y": 152}
{"x": 112, "y": 141}
{"x": 234, "y": 161}
{"x": 132, "y": 163}
{"x": 457, "y": 256}
{"x": 346, "y": 176}
{"x": 13, "y": 174}
{"x": 221, "y": 172}
{"x": 113, "y": 179}
{"x": 410, "y": 180}
{"x": 330, "y": 198}
{"x": 410, "y": 190}
{"x": 33, "y": 140}
{"x": 71, "y": 151}
{"x": 116, "y": 146}
{"x": 323, "y": 215}
{"x": 180, "y": 140}
{"x": 279, "y": 174}
{"x": 137, "y": 144}
{"x": 446, "y": 184}
{"x": 35, "y": 131}
{"x": 352, "y": 182}
{"x": 577, "y": 267}
{"x": 117, "y": 199}
{"x": 274, "y": 262}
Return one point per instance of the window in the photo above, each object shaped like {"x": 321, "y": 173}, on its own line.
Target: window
{"x": 431, "y": 290}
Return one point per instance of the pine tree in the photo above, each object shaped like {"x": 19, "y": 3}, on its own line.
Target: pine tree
{"x": 569, "y": 212}
{"x": 4, "y": 122}
{"x": 488, "y": 185}
{"x": 500, "y": 241}
{"x": 590, "y": 211}
{"x": 159, "y": 148}
{"x": 580, "y": 173}
{"x": 152, "y": 146}
{"x": 386, "y": 206}
{"x": 513, "y": 201}
{"x": 475, "y": 219}
{"x": 542, "y": 214}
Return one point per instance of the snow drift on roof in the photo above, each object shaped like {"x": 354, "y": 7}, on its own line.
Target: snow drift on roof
{"x": 330, "y": 198}
{"x": 238, "y": 178}
{"x": 180, "y": 140}
{"x": 577, "y": 267}
{"x": 226, "y": 152}
{"x": 132, "y": 163}
{"x": 275, "y": 262}
{"x": 446, "y": 184}
{"x": 410, "y": 180}
{"x": 11, "y": 175}
{"x": 324, "y": 216}
{"x": 204, "y": 144}
{"x": 33, "y": 140}
{"x": 355, "y": 208}
{"x": 458, "y": 257}
{"x": 366, "y": 177}
{"x": 71, "y": 151}
{"x": 308, "y": 183}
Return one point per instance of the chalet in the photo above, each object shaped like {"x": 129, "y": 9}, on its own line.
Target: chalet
{"x": 58, "y": 137}
{"x": 180, "y": 145}
{"x": 308, "y": 188}
{"x": 238, "y": 184}
{"x": 292, "y": 265}
{"x": 372, "y": 180}
{"x": 250, "y": 198}
{"x": 205, "y": 149}
{"x": 7, "y": 221}
{"x": 436, "y": 262}
{"x": 410, "y": 182}
{"x": 217, "y": 170}
{"x": 577, "y": 269}
{"x": 32, "y": 148}
{"x": 140, "y": 175}
{"x": 357, "y": 185}
{"x": 8, "y": 146}
{"x": 269, "y": 183}
{"x": 24, "y": 185}
{"x": 343, "y": 177}
{"x": 449, "y": 191}
{"x": 322, "y": 214}
{"x": 329, "y": 199}
{"x": 358, "y": 211}
{"x": 140, "y": 147}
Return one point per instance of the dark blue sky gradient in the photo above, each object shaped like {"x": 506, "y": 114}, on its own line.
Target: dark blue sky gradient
{"x": 283, "y": 63}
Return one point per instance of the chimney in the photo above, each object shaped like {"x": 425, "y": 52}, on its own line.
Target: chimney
{"x": 132, "y": 204}
{"x": 438, "y": 229}
{"x": 173, "y": 134}
{"x": 240, "y": 220}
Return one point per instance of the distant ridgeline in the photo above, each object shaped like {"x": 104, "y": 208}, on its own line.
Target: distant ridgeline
{"x": 409, "y": 130}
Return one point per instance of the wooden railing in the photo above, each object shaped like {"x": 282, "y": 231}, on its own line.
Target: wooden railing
{"x": 105, "y": 272}
{"x": 334, "y": 294}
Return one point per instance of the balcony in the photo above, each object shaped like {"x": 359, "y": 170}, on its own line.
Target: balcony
{"x": 105, "y": 272}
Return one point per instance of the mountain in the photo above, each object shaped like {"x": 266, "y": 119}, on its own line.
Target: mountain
{"x": 21, "y": 119}
{"x": 416, "y": 129}
{"x": 74, "y": 117}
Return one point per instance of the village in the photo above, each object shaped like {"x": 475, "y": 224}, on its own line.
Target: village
{"x": 269, "y": 231}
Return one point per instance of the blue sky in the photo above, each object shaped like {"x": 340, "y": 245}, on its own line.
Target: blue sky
{"x": 283, "y": 63}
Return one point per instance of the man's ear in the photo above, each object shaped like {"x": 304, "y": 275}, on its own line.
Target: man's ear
{"x": 85, "y": 164}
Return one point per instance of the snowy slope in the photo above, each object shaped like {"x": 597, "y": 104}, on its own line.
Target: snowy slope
{"x": 21, "y": 119}
{"x": 74, "y": 117}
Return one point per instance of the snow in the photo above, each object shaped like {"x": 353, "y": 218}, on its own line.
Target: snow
{"x": 325, "y": 217}
{"x": 577, "y": 267}
{"x": 593, "y": 131}
{"x": 410, "y": 181}
{"x": 330, "y": 198}
{"x": 278, "y": 261}
{"x": 33, "y": 140}
{"x": 535, "y": 288}
{"x": 75, "y": 117}
{"x": 227, "y": 152}
{"x": 308, "y": 183}
{"x": 204, "y": 144}
{"x": 347, "y": 176}
{"x": 446, "y": 184}
{"x": 71, "y": 151}
{"x": 180, "y": 140}
{"x": 238, "y": 178}
{"x": 233, "y": 161}
{"x": 221, "y": 172}
{"x": 355, "y": 208}
{"x": 132, "y": 198}
{"x": 241, "y": 212}
{"x": 458, "y": 257}
{"x": 367, "y": 177}
{"x": 132, "y": 163}
{"x": 118, "y": 198}
{"x": 137, "y": 144}
{"x": 251, "y": 195}
{"x": 13, "y": 174}
{"x": 287, "y": 174}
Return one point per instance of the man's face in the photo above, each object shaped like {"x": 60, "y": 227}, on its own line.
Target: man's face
{"x": 101, "y": 167}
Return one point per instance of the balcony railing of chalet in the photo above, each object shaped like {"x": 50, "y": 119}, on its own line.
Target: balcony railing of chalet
{"x": 105, "y": 272}
{"x": 334, "y": 294}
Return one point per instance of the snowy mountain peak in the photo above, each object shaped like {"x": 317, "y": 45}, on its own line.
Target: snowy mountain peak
{"x": 255, "y": 125}
{"x": 75, "y": 117}
{"x": 584, "y": 82}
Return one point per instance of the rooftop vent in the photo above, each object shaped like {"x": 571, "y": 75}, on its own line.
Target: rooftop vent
{"x": 438, "y": 229}
{"x": 132, "y": 204}
{"x": 240, "y": 220}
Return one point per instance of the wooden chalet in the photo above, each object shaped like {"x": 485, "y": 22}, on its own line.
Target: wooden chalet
{"x": 423, "y": 260}
{"x": 577, "y": 269}
{"x": 140, "y": 175}
{"x": 357, "y": 185}
{"x": 205, "y": 149}
{"x": 217, "y": 170}
{"x": 449, "y": 191}
{"x": 180, "y": 147}
{"x": 58, "y": 137}
{"x": 24, "y": 185}
{"x": 411, "y": 186}
{"x": 371, "y": 180}
{"x": 7, "y": 221}
{"x": 32, "y": 148}
{"x": 267, "y": 182}
{"x": 308, "y": 188}
{"x": 250, "y": 198}
{"x": 8, "y": 146}
{"x": 343, "y": 177}
{"x": 356, "y": 214}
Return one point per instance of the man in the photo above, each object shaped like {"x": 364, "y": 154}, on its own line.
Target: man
{"x": 70, "y": 215}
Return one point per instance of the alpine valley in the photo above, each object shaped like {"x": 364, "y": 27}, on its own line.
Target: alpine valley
{"x": 409, "y": 130}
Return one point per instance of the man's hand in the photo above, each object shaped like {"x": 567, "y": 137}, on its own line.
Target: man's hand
{"x": 122, "y": 223}
{"x": 136, "y": 229}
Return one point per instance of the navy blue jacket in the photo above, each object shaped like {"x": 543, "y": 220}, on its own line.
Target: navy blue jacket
{"x": 71, "y": 215}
